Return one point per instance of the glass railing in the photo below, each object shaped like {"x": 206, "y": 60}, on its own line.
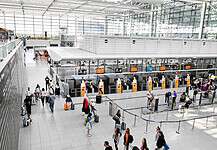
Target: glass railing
{"x": 7, "y": 48}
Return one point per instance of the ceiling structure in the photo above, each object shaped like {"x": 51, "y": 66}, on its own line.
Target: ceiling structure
{"x": 91, "y": 7}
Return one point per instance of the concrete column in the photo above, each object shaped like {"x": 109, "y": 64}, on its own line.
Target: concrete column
{"x": 202, "y": 17}
{"x": 151, "y": 20}
{"x": 15, "y": 28}
{"x": 42, "y": 26}
{"x": 33, "y": 19}
{"x": 106, "y": 26}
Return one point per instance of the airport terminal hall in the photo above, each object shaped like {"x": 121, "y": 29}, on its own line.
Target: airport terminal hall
{"x": 108, "y": 74}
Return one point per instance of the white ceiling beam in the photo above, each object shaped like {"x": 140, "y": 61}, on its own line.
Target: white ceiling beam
{"x": 48, "y": 7}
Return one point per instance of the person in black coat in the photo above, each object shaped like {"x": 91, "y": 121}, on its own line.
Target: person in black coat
{"x": 160, "y": 139}
{"x": 28, "y": 103}
{"x": 107, "y": 146}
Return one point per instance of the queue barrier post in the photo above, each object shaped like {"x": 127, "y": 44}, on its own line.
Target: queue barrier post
{"x": 178, "y": 131}
{"x": 167, "y": 115}
{"x": 141, "y": 113}
{"x": 207, "y": 122}
{"x": 160, "y": 124}
{"x": 134, "y": 121}
{"x": 193, "y": 124}
{"x": 146, "y": 127}
{"x": 149, "y": 117}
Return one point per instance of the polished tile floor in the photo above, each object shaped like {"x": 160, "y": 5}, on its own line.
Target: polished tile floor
{"x": 64, "y": 130}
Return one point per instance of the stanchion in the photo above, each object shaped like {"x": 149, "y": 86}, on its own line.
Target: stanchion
{"x": 193, "y": 124}
{"x": 160, "y": 124}
{"x": 183, "y": 115}
{"x": 213, "y": 108}
{"x": 149, "y": 118}
{"x": 167, "y": 115}
{"x": 146, "y": 127}
{"x": 134, "y": 121}
{"x": 178, "y": 131}
{"x": 207, "y": 122}
{"x": 123, "y": 114}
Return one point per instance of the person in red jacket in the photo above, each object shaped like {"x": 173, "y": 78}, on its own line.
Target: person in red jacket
{"x": 85, "y": 107}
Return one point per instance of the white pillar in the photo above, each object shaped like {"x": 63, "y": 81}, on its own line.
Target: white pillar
{"x": 202, "y": 17}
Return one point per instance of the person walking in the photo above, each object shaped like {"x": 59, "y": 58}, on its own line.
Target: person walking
{"x": 43, "y": 96}
{"x": 57, "y": 89}
{"x": 144, "y": 145}
{"x": 37, "y": 91}
{"x": 85, "y": 107}
{"x": 174, "y": 99}
{"x": 116, "y": 136}
{"x": 160, "y": 140}
{"x": 28, "y": 105}
{"x": 28, "y": 92}
{"x": 128, "y": 139}
{"x": 51, "y": 102}
{"x": 47, "y": 82}
{"x": 89, "y": 125}
{"x": 107, "y": 146}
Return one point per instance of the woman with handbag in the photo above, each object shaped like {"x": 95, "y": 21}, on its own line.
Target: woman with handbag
{"x": 128, "y": 139}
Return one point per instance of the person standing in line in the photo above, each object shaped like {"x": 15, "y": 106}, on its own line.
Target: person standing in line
{"x": 174, "y": 99}
{"x": 116, "y": 136}
{"x": 128, "y": 139}
{"x": 43, "y": 96}
{"x": 144, "y": 145}
{"x": 107, "y": 146}
{"x": 47, "y": 82}
{"x": 167, "y": 97}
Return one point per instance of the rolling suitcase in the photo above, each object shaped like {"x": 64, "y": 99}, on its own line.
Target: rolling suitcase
{"x": 98, "y": 99}
{"x": 66, "y": 107}
{"x": 96, "y": 118}
{"x": 72, "y": 106}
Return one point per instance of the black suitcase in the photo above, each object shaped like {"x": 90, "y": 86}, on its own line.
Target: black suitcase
{"x": 96, "y": 118}
{"x": 123, "y": 126}
{"x": 72, "y": 106}
{"x": 98, "y": 99}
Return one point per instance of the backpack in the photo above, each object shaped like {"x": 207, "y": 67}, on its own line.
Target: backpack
{"x": 131, "y": 139}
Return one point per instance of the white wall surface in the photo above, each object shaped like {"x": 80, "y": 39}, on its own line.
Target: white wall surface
{"x": 123, "y": 45}
{"x": 42, "y": 42}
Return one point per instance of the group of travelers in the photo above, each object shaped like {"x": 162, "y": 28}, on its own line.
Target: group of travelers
{"x": 128, "y": 140}
{"x": 43, "y": 94}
